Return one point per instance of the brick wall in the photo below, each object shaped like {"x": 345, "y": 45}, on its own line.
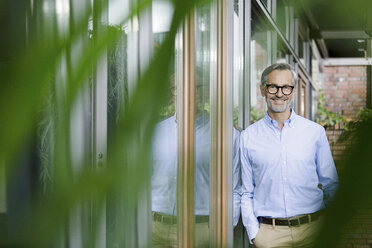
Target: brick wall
{"x": 345, "y": 89}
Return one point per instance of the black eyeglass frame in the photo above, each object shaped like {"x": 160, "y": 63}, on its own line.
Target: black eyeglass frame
{"x": 279, "y": 87}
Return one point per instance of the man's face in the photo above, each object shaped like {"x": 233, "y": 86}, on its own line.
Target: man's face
{"x": 278, "y": 102}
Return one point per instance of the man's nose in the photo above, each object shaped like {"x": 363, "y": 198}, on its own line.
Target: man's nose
{"x": 279, "y": 93}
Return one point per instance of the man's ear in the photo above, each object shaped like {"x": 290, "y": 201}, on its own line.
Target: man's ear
{"x": 262, "y": 88}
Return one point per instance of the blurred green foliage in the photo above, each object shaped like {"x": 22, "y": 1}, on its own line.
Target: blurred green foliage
{"x": 41, "y": 82}
{"x": 354, "y": 191}
{"x": 353, "y": 126}
{"x": 256, "y": 114}
{"x": 325, "y": 117}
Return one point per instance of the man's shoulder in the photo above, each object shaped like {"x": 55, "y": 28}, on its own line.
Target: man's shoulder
{"x": 306, "y": 123}
{"x": 165, "y": 126}
{"x": 167, "y": 121}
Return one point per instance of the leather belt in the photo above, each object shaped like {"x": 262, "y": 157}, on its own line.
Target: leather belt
{"x": 292, "y": 221}
{"x": 171, "y": 219}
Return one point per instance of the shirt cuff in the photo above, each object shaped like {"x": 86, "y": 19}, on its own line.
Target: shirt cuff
{"x": 252, "y": 232}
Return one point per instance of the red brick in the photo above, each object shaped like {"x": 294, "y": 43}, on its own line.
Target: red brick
{"x": 338, "y": 152}
{"x": 338, "y": 148}
{"x": 359, "y": 104}
{"x": 358, "y": 91}
{"x": 358, "y": 69}
{"x": 342, "y": 83}
{"x": 327, "y": 84}
{"x": 342, "y": 69}
{"x": 356, "y": 74}
{"x": 356, "y": 79}
{"x": 354, "y": 96}
{"x": 343, "y": 87}
{"x": 330, "y": 69}
{"x": 359, "y": 86}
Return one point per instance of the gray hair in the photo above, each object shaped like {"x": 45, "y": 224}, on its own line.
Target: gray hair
{"x": 280, "y": 67}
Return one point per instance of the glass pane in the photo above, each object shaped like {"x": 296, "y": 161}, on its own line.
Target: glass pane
{"x": 204, "y": 44}
{"x": 281, "y": 16}
{"x": 164, "y": 142}
{"x": 238, "y": 116}
{"x": 281, "y": 56}
{"x": 259, "y": 61}
{"x": 118, "y": 56}
{"x": 301, "y": 47}
{"x": 282, "y": 53}
{"x": 238, "y": 60}
{"x": 265, "y": 2}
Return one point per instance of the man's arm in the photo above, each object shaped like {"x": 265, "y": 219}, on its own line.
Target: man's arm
{"x": 326, "y": 168}
{"x": 249, "y": 219}
{"x": 236, "y": 177}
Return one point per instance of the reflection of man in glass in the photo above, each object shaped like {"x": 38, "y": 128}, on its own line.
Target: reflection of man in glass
{"x": 288, "y": 174}
{"x": 164, "y": 176}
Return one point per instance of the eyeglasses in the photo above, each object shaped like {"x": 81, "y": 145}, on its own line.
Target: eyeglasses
{"x": 273, "y": 89}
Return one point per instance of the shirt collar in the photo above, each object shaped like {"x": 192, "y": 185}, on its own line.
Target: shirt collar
{"x": 290, "y": 121}
{"x": 292, "y": 118}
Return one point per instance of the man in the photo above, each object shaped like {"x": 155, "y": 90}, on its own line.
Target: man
{"x": 164, "y": 183}
{"x": 164, "y": 176}
{"x": 288, "y": 174}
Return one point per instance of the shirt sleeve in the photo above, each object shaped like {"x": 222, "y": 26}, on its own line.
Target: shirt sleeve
{"x": 247, "y": 190}
{"x": 236, "y": 178}
{"x": 326, "y": 169}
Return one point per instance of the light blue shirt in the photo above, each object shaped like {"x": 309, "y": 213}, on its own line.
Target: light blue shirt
{"x": 281, "y": 170}
{"x": 164, "y": 167}
{"x": 236, "y": 177}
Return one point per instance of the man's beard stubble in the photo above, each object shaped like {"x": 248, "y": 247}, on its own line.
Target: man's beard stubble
{"x": 279, "y": 108}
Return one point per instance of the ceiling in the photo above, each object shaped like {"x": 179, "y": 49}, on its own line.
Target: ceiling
{"x": 341, "y": 28}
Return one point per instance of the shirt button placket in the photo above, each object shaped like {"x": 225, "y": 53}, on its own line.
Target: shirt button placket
{"x": 284, "y": 169}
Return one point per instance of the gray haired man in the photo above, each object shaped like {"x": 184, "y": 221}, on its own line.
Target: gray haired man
{"x": 288, "y": 174}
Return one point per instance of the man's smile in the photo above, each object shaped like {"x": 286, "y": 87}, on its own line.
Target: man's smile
{"x": 279, "y": 101}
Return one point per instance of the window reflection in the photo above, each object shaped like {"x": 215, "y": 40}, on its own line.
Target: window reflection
{"x": 265, "y": 2}
{"x": 164, "y": 183}
{"x": 164, "y": 159}
{"x": 238, "y": 60}
{"x": 282, "y": 20}
{"x": 259, "y": 61}
{"x": 117, "y": 97}
{"x": 204, "y": 62}
{"x": 238, "y": 113}
{"x": 281, "y": 54}
{"x": 164, "y": 174}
